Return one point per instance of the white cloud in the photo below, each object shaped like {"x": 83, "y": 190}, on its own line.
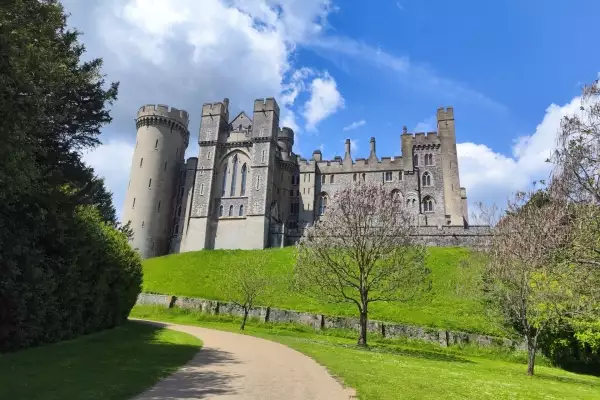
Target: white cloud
{"x": 491, "y": 177}
{"x": 355, "y": 125}
{"x": 112, "y": 161}
{"x": 400, "y": 6}
{"x": 429, "y": 124}
{"x": 325, "y": 100}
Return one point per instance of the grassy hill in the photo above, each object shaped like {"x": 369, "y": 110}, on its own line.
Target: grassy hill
{"x": 453, "y": 302}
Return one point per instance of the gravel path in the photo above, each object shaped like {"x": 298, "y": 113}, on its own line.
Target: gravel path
{"x": 239, "y": 367}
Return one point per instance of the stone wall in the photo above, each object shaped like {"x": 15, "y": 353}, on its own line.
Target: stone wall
{"x": 318, "y": 321}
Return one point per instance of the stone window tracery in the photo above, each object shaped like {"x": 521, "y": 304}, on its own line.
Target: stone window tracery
{"x": 322, "y": 203}
{"x": 426, "y": 179}
{"x": 233, "y": 176}
{"x": 428, "y": 204}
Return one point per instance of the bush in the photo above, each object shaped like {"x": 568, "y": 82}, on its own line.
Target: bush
{"x": 89, "y": 281}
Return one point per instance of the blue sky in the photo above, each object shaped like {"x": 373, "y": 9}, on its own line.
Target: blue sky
{"x": 510, "y": 69}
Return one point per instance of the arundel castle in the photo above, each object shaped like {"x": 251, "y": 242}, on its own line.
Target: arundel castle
{"x": 247, "y": 189}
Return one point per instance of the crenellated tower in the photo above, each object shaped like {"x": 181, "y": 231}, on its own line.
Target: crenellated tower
{"x": 162, "y": 138}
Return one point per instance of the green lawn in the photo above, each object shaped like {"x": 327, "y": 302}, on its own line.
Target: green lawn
{"x": 115, "y": 364}
{"x": 452, "y": 303}
{"x": 405, "y": 369}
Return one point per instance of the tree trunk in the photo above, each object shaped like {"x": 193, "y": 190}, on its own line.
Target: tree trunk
{"x": 531, "y": 347}
{"x": 362, "y": 339}
{"x": 246, "y": 311}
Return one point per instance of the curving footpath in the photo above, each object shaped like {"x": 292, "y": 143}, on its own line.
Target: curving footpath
{"x": 239, "y": 367}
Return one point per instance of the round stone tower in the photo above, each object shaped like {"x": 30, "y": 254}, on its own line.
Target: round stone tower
{"x": 162, "y": 138}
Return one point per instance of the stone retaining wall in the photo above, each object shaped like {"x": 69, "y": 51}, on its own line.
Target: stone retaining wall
{"x": 319, "y": 321}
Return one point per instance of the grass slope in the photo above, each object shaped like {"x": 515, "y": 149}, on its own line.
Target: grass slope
{"x": 403, "y": 369}
{"x": 451, "y": 303}
{"x": 110, "y": 365}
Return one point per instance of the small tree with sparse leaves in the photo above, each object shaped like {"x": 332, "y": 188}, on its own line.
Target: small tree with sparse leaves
{"x": 362, "y": 250}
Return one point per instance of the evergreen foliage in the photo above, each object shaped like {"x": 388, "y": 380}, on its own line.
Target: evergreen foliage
{"x": 65, "y": 265}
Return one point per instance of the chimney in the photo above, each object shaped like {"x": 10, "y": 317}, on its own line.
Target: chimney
{"x": 347, "y": 155}
{"x": 373, "y": 155}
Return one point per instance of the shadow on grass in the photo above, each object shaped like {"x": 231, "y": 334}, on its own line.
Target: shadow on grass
{"x": 567, "y": 379}
{"x": 114, "y": 364}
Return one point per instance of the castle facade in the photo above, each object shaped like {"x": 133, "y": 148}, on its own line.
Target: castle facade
{"x": 247, "y": 189}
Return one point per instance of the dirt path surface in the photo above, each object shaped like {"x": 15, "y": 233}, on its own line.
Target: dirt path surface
{"x": 239, "y": 367}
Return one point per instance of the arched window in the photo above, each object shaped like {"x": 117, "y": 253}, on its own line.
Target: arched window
{"x": 426, "y": 179}
{"x": 233, "y": 175}
{"x": 416, "y": 160}
{"x": 241, "y": 212}
{"x": 221, "y": 210}
{"x": 396, "y": 194}
{"x": 224, "y": 187}
{"x": 322, "y": 203}
{"x": 428, "y": 159}
{"x": 243, "y": 188}
{"x": 230, "y": 211}
{"x": 428, "y": 204}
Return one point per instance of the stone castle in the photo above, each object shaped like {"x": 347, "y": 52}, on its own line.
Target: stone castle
{"x": 247, "y": 189}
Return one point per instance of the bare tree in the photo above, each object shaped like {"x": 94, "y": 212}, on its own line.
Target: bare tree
{"x": 248, "y": 283}
{"x": 577, "y": 155}
{"x": 529, "y": 275}
{"x": 361, "y": 251}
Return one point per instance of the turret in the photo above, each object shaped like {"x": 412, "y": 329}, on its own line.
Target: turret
{"x": 285, "y": 141}
{"x": 162, "y": 138}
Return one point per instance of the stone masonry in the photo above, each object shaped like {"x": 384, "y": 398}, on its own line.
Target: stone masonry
{"x": 247, "y": 189}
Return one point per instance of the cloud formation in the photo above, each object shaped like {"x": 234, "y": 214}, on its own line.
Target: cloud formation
{"x": 354, "y": 125}
{"x": 325, "y": 99}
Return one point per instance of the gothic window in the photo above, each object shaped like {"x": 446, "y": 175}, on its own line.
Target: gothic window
{"x": 331, "y": 179}
{"x": 426, "y": 179}
{"x": 224, "y": 184}
{"x": 231, "y": 211}
{"x": 243, "y": 186}
{"x": 428, "y": 204}
{"x": 388, "y": 176}
{"x": 322, "y": 203}
{"x": 241, "y": 211}
{"x": 233, "y": 175}
{"x": 202, "y": 189}
{"x": 221, "y": 210}
{"x": 416, "y": 160}
{"x": 141, "y": 162}
{"x": 428, "y": 159}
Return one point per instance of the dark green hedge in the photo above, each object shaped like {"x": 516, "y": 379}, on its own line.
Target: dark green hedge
{"x": 90, "y": 283}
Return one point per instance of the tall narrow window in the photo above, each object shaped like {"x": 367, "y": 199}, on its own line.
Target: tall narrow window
{"x": 221, "y": 210}
{"x": 243, "y": 183}
{"x": 241, "y": 212}
{"x": 208, "y": 155}
{"x": 224, "y": 185}
{"x": 156, "y": 144}
{"x": 354, "y": 177}
{"x": 141, "y": 162}
{"x": 133, "y": 205}
{"x": 230, "y": 211}
{"x": 388, "y": 176}
{"x": 257, "y": 182}
{"x": 149, "y": 183}
{"x": 364, "y": 176}
{"x": 233, "y": 176}
{"x": 426, "y": 180}
{"x": 331, "y": 179}
{"x": 322, "y": 179}
{"x": 416, "y": 160}
{"x": 202, "y": 189}
{"x": 322, "y": 204}
{"x": 400, "y": 173}
{"x": 264, "y": 156}
{"x": 428, "y": 204}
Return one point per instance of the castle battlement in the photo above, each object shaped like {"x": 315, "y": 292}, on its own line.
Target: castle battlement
{"x": 445, "y": 114}
{"x": 162, "y": 110}
{"x": 220, "y": 108}
{"x": 268, "y": 104}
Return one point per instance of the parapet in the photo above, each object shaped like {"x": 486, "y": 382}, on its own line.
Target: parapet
{"x": 445, "y": 114}
{"x": 213, "y": 109}
{"x": 268, "y": 104}
{"x": 173, "y": 113}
